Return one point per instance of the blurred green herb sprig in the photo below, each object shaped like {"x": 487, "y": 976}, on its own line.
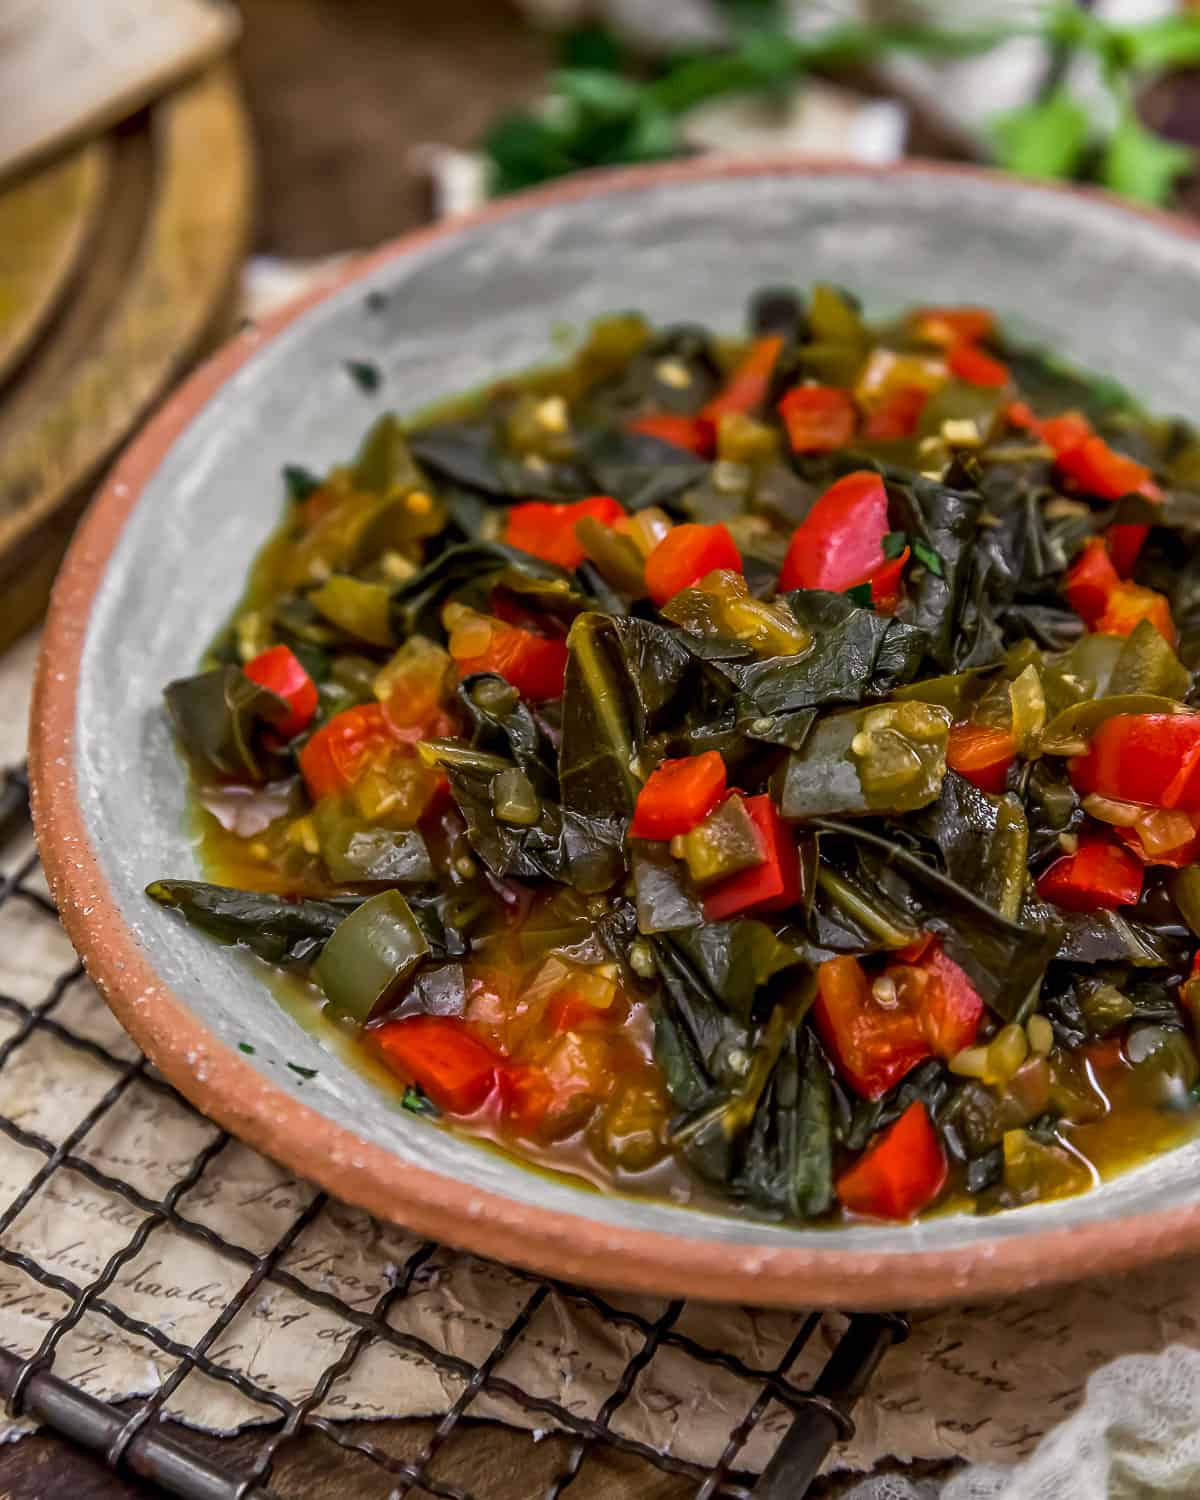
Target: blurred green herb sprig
{"x": 605, "y": 107}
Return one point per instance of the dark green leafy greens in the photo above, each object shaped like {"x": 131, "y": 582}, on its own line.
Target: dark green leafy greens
{"x": 464, "y": 846}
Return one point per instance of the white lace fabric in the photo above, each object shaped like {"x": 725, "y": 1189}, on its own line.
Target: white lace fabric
{"x": 1136, "y": 1437}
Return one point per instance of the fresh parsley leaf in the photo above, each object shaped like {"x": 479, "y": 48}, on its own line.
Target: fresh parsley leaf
{"x": 364, "y": 374}
{"x": 525, "y": 150}
{"x": 601, "y": 92}
{"x": 302, "y": 1071}
{"x": 246, "y": 1048}
{"x": 1047, "y": 139}
{"x": 924, "y": 553}
{"x": 860, "y": 594}
{"x": 1140, "y": 164}
{"x": 651, "y": 136}
{"x": 300, "y": 482}
{"x": 894, "y": 544}
{"x": 417, "y": 1101}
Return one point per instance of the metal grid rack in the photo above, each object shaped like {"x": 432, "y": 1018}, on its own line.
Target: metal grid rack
{"x": 138, "y": 1437}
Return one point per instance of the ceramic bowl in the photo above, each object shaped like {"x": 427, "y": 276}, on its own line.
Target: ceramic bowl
{"x": 159, "y": 563}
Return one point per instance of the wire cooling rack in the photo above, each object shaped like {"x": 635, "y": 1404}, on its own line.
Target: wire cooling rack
{"x": 139, "y": 1438}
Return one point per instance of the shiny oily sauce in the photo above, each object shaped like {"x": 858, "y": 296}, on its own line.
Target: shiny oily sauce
{"x": 758, "y": 773}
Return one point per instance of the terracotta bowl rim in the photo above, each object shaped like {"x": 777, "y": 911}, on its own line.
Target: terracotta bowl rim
{"x": 224, "y": 1086}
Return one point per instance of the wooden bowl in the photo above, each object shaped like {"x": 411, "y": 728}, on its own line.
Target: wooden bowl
{"x": 160, "y": 560}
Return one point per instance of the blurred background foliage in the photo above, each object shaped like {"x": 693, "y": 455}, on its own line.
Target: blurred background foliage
{"x": 609, "y": 104}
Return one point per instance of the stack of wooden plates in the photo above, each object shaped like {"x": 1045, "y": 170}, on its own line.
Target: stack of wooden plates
{"x": 118, "y": 264}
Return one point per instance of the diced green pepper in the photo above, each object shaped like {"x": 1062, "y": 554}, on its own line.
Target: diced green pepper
{"x": 1028, "y": 705}
{"x": 354, "y": 854}
{"x": 890, "y": 758}
{"x": 614, "y": 555}
{"x": 1164, "y": 1064}
{"x": 514, "y": 798}
{"x": 370, "y": 955}
{"x": 384, "y": 463}
{"x": 726, "y": 842}
{"x": 956, "y": 692}
{"x": 1147, "y": 664}
{"x": 835, "y": 317}
{"x": 1092, "y": 660}
{"x": 959, "y": 402}
{"x": 360, "y": 609}
{"x": 1104, "y": 1007}
{"x": 1003, "y": 881}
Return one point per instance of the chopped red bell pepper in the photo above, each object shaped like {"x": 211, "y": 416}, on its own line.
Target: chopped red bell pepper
{"x": 746, "y": 389}
{"x": 897, "y": 415}
{"x": 887, "y": 582}
{"x": 947, "y": 1004}
{"x": 1100, "y": 470}
{"x": 902, "y": 1170}
{"x": 341, "y": 751}
{"x": 1125, "y": 542}
{"x": 280, "y": 672}
{"x": 974, "y": 365}
{"x": 1064, "y": 432}
{"x": 687, "y": 554}
{"x": 444, "y": 1056}
{"x": 1021, "y": 414}
{"x": 1099, "y": 876}
{"x": 982, "y": 754}
{"x": 697, "y": 434}
{"x": 952, "y": 325}
{"x": 840, "y": 542}
{"x": 771, "y": 886}
{"x": 818, "y": 418}
{"x": 1129, "y": 604}
{"x": 548, "y": 531}
{"x": 1090, "y": 581}
{"x": 678, "y": 796}
{"x": 1149, "y": 758}
{"x": 534, "y": 664}
{"x": 1097, "y": 469}
{"x": 872, "y": 1046}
